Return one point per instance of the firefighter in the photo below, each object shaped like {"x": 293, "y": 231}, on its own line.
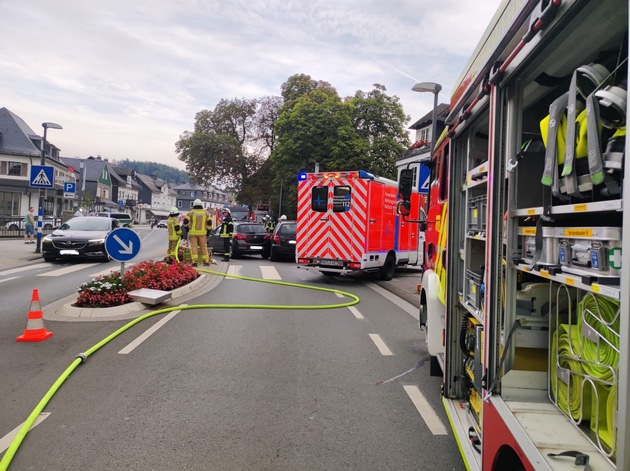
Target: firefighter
{"x": 199, "y": 224}
{"x": 268, "y": 223}
{"x": 226, "y": 233}
{"x": 174, "y": 231}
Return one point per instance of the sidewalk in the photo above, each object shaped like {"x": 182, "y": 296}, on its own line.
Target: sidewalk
{"x": 14, "y": 252}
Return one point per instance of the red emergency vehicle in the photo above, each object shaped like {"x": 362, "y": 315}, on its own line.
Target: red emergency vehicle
{"x": 347, "y": 221}
{"x": 523, "y": 294}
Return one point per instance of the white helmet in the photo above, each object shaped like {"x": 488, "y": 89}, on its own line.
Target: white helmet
{"x": 283, "y": 218}
{"x": 226, "y": 210}
{"x": 197, "y": 202}
{"x": 174, "y": 211}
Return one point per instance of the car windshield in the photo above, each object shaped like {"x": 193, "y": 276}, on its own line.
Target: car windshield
{"x": 287, "y": 229}
{"x": 251, "y": 229}
{"x": 86, "y": 224}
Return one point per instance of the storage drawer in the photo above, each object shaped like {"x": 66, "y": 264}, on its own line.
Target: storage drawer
{"x": 590, "y": 250}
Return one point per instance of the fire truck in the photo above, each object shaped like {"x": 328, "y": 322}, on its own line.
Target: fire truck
{"x": 347, "y": 222}
{"x": 524, "y": 302}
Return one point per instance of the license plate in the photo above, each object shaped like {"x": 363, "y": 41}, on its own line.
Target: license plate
{"x": 331, "y": 263}
{"x": 255, "y": 247}
{"x": 68, "y": 252}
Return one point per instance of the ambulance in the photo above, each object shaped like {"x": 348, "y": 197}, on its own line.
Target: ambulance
{"x": 347, "y": 222}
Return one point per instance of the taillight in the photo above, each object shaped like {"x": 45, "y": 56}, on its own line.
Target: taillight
{"x": 239, "y": 236}
{"x": 354, "y": 265}
{"x": 304, "y": 261}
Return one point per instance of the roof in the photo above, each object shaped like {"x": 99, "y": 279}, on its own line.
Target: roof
{"x": 442, "y": 111}
{"x": 16, "y": 137}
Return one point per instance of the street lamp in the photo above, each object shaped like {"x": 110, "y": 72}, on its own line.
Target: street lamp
{"x": 435, "y": 89}
{"x": 42, "y": 191}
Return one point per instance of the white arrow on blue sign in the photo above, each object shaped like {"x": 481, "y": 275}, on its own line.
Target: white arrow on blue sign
{"x": 122, "y": 244}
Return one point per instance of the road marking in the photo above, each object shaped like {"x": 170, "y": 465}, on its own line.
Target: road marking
{"x": 234, "y": 270}
{"x": 148, "y": 333}
{"x": 109, "y": 270}
{"x": 401, "y": 303}
{"x": 269, "y": 272}
{"x": 378, "y": 341}
{"x": 21, "y": 269}
{"x": 70, "y": 269}
{"x": 5, "y": 442}
{"x": 11, "y": 278}
{"x": 356, "y": 312}
{"x": 426, "y": 411}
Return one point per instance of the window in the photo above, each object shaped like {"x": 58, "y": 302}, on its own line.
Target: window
{"x": 341, "y": 199}
{"x": 10, "y": 203}
{"x": 319, "y": 199}
{"x": 14, "y": 169}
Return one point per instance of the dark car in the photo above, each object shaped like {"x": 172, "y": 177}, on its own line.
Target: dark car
{"x": 281, "y": 242}
{"x": 79, "y": 238}
{"x": 248, "y": 239}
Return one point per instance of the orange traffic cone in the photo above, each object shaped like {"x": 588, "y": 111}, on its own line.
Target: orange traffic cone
{"x": 35, "y": 330}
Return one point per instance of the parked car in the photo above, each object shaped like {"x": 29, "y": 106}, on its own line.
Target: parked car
{"x": 48, "y": 224}
{"x": 125, "y": 219}
{"x": 281, "y": 242}
{"x": 79, "y": 237}
{"x": 248, "y": 239}
{"x": 161, "y": 223}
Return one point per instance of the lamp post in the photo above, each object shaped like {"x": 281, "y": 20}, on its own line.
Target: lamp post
{"x": 42, "y": 191}
{"x": 435, "y": 89}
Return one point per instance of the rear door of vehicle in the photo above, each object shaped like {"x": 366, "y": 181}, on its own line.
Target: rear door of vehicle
{"x": 254, "y": 235}
{"x": 286, "y": 234}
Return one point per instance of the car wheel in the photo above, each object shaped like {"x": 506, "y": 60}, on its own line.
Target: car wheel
{"x": 273, "y": 255}
{"x": 387, "y": 271}
{"x": 234, "y": 253}
{"x": 47, "y": 227}
{"x": 49, "y": 259}
{"x": 13, "y": 227}
{"x": 265, "y": 253}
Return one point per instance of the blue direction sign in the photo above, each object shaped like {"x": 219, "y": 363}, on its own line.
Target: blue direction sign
{"x": 42, "y": 176}
{"x": 69, "y": 187}
{"x": 425, "y": 179}
{"x": 122, "y": 244}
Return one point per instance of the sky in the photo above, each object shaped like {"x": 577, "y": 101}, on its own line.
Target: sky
{"x": 126, "y": 78}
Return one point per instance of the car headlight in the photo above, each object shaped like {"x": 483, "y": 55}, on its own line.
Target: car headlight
{"x": 94, "y": 242}
{"x": 47, "y": 239}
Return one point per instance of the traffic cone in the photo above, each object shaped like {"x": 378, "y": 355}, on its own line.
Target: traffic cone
{"x": 35, "y": 330}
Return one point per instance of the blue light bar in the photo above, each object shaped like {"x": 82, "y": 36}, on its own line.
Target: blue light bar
{"x": 301, "y": 176}
{"x": 364, "y": 174}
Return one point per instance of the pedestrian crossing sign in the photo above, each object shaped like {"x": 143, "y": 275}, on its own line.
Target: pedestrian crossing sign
{"x": 42, "y": 176}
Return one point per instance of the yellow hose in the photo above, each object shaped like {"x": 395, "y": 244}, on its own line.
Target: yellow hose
{"x": 82, "y": 357}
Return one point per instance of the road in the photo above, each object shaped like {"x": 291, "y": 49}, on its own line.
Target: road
{"x": 234, "y": 388}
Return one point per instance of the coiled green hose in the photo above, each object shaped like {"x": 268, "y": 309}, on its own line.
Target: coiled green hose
{"x": 82, "y": 357}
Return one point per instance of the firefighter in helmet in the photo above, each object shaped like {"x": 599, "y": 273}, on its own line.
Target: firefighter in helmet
{"x": 226, "y": 233}
{"x": 268, "y": 223}
{"x": 174, "y": 231}
{"x": 199, "y": 224}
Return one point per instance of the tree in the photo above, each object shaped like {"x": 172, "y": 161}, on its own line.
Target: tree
{"x": 222, "y": 148}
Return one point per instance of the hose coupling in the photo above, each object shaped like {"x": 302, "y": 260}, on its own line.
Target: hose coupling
{"x": 82, "y": 356}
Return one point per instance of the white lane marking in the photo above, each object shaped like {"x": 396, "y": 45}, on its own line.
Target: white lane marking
{"x": 356, "y": 312}
{"x": 401, "y": 303}
{"x": 20, "y": 269}
{"x": 5, "y": 442}
{"x": 148, "y": 333}
{"x": 234, "y": 270}
{"x": 111, "y": 269}
{"x": 11, "y": 278}
{"x": 269, "y": 272}
{"x": 378, "y": 341}
{"x": 70, "y": 269}
{"x": 426, "y": 411}
{"x": 339, "y": 295}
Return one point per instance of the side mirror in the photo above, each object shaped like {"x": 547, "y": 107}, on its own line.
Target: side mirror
{"x": 422, "y": 224}
{"x": 405, "y": 184}
{"x": 403, "y": 208}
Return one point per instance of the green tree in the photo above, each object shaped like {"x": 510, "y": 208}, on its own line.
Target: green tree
{"x": 222, "y": 149}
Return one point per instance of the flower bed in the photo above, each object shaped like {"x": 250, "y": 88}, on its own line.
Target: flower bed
{"x": 110, "y": 290}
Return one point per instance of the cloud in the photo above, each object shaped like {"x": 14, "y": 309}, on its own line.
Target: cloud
{"x": 125, "y": 79}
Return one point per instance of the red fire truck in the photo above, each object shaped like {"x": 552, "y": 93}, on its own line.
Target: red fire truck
{"x": 523, "y": 296}
{"x": 347, "y": 221}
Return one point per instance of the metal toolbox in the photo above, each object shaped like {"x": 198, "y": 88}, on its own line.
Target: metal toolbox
{"x": 594, "y": 251}
{"x": 477, "y": 214}
{"x": 527, "y": 239}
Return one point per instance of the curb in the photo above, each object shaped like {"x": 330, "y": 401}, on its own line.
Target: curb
{"x": 63, "y": 309}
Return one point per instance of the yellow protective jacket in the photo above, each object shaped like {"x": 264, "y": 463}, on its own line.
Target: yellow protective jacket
{"x": 227, "y": 228}
{"x": 198, "y": 222}
{"x": 173, "y": 227}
